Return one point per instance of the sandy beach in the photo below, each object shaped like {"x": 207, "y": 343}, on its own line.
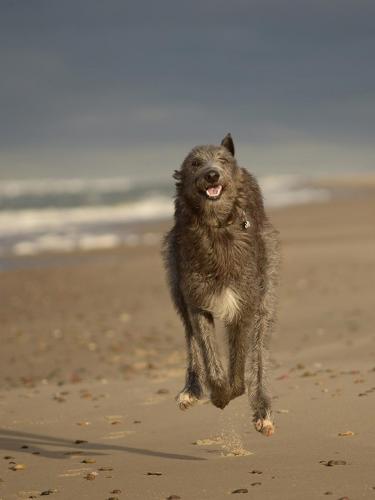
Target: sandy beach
{"x": 93, "y": 355}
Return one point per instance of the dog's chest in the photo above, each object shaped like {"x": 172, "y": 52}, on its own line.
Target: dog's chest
{"x": 225, "y": 305}
{"x": 222, "y": 257}
{"x": 216, "y": 272}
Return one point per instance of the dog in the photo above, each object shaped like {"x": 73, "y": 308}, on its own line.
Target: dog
{"x": 222, "y": 262}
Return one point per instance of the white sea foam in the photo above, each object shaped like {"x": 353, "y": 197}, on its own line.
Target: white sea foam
{"x": 53, "y": 243}
{"x": 65, "y": 243}
{"x": 40, "y": 187}
{"x": 16, "y": 222}
{"x": 282, "y": 190}
{"x": 45, "y": 243}
{"x": 94, "y": 241}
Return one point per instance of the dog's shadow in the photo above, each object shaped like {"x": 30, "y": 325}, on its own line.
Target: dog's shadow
{"x": 38, "y": 444}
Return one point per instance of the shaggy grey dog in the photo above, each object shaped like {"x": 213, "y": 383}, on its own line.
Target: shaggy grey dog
{"x": 222, "y": 259}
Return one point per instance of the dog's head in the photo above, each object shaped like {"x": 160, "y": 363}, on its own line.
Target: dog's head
{"x": 207, "y": 178}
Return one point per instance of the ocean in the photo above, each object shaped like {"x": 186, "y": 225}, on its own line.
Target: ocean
{"x": 64, "y": 215}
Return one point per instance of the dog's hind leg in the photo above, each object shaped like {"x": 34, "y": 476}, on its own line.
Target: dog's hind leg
{"x": 238, "y": 338}
{"x": 203, "y": 326}
{"x": 256, "y": 375}
{"x": 260, "y": 334}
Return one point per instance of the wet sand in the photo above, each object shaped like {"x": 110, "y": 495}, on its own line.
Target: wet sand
{"x": 93, "y": 351}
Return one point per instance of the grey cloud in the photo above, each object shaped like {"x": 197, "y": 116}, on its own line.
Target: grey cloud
{"x": 96, "y": 75}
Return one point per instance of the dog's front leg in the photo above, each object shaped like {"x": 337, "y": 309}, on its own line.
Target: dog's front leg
{"x": 204, "y": 331}
{"x": 194, "y": 372}
{"x": 256, "y": 373}
{"x": 193, "y": 384}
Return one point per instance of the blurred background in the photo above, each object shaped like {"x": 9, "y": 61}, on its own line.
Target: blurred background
{"x": 101, "y": 101}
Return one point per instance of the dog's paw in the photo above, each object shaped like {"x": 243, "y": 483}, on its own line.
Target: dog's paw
{"x": 185, "y": 400}
{"x": 265, "y": 426}
{"x": 220, "y": 398}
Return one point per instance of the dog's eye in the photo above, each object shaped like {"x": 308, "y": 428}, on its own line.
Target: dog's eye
{"x": 222, "y": 160}
{"x": 195, "y": 163}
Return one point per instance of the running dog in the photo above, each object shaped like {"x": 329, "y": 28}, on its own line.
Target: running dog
{"x": 222, "y": 261}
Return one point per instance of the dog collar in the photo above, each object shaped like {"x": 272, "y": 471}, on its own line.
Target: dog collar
{"x": 244, "y": 220}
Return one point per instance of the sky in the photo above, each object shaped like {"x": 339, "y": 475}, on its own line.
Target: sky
{"x": 122, "y": 88}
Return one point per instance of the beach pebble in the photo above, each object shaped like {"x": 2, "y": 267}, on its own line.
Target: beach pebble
{"x": 91, "y": 476}
{"x": 256, "y": 484}
{"x": 113, "y": 498}
{"x": 105, "y": 469}
{"x": 80, "y": 441}
{"x": 331, "y": 463}
{"x": 256, "y": 472}
{"x": 162, "y": 391}
{"x": 241, "y": 490}
{"x": 347, "y": 433}
{"x": 8, "y": 457}
{"x": 48, "y": 492}
{"x": 89, "y": 461}
{"x": 59, "y": 399}
{"x": 173, "y": 497}
{"x": 18, "y": 467}
{"x": 154, "y": 474}
{"x": 115, "y": 492}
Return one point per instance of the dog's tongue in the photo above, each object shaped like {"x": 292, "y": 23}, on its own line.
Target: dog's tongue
{"x": 213, "y": 191}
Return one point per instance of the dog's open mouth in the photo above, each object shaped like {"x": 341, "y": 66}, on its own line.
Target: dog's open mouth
{"x": 214, "y": 191}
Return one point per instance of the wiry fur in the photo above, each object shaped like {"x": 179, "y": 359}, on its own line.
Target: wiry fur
{"x": 218, "y": 268}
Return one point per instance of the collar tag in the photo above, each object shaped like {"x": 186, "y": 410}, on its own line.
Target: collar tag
{"x": 245, "y": 221}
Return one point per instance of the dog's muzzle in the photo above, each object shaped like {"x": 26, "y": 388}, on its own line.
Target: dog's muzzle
{"x": 211, "y": 181}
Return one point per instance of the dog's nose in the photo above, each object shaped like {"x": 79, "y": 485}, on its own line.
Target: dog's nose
{"x": 212, "y": 176}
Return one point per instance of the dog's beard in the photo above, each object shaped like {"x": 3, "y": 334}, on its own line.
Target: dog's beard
{"x": 217, "y": 207}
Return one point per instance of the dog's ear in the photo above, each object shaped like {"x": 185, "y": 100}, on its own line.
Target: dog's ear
{"x": 227, "y": 142}
{"x": 177, "y": 175}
